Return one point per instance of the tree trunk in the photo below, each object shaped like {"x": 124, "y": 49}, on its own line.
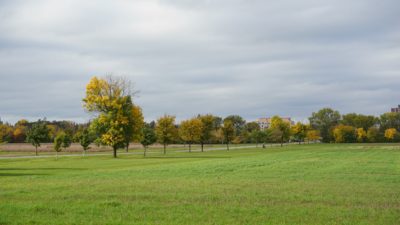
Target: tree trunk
{"x": 115, "y": 152}
{"x": 202, "y": 147}
{"x": 36, "y": 152}
{"x": 127, "y": 146}
{"x": 144, "y": 153}
{"x": 57, "y": 155}
{"x": 165, "y": 149}
{"x": 227, "y": 145}
{"x": 190, "y": 147}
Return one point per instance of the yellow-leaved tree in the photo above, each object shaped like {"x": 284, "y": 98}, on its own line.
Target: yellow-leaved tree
{"x": 282, "y": 127}
{"x": 190, "y": 131}
{"x": 361, "y": 135}
{"x": 390, "y": 134}
{"x": 166, "y": 131}
{"x": 119, "y": 121}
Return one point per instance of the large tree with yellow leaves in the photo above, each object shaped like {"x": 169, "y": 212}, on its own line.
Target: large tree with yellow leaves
{"x": 119, "y": 121}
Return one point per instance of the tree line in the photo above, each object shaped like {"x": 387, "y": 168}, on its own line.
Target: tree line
{"x": 118, "y": 122}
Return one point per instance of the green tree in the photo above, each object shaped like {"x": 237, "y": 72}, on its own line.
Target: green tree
{"x": 85, "y": 139}
{"x": 58, "y": 141}
{"x": 258, "y": 136}
{"x": 228, "y": 131}
{"x": 373, "y": 135}
{"x": 37, "y": 134}
{"x": 67, "y": 140}
{"x": 166, "y": 130}
{"x": 252, "y": 126}
{"x": 207, "y": 128}
{"x": 390, "y": 120}
{"x": 190, "y": 131}
{"x": 149, "y": 138}
{"x": 133, "y": 129}
{"x": 324, "y": 121}
{"x": 358, "y": 120}
{"x": 284, "y": 127}
{"x": 238, "y": 123}
{"x": 111, "y": 99}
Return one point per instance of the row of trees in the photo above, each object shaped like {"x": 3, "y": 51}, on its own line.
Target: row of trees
{"x": 17, "y": 133}
{"x": 352, "y": 127}
{"x": 118, "y": 122}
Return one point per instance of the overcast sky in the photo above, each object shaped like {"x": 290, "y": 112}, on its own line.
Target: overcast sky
{"x": 254, "y": 58}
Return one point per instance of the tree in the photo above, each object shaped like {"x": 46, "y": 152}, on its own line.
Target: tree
{"x": 238, "y": 123}
{"x": 344, "y": 134}
{"x": 313, "y": 135}
{"x": 37, "y": 134}
{"x": 166, "y": 130}
{"x": 258, "y": 136}
{"x": 274, "y": 135}
{"x": 111, "y": 99}
{"x": 67, "y": 140}
{"x": 6, "y": 131}
{"x": 149, "y": 137}
{"x": 299, "y": 131}
{"x": 252, "y": 126}
{"x": 134, "y": 127}
{"x": 390, "y": 134}
{"x": 190, "y": 131}
{"x": 324, "y": 121}
{"x": 85, "y": 139}
{"x": 373, "y": 135}
{"x": 206, "y": 129}
{"x": 358, "y": 120}
{"x": 58, "y": 142}
{"x": 284, "y": 128}
{"x": 361, "y": 135}
{"x": 390, "y": 120}
{"x": 228, "y": 131}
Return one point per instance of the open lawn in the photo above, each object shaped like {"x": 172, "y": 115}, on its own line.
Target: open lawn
{"x": 307, "y": 184}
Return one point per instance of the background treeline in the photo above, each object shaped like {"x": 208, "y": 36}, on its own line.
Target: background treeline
{"x": 326, "y": 125}
{"x": 119, "y": 122}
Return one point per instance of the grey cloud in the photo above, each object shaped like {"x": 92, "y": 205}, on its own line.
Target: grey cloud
{"x": 253, "y": 58}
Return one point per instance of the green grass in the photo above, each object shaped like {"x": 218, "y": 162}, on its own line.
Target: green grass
{"x": 308, "y": 184}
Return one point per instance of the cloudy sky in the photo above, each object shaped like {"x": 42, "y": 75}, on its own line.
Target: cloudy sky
{"x": 254, "y": 58}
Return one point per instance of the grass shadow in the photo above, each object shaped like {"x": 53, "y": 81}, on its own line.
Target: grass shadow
{"x": 187, "y": 157}
{"x": 21, "y": 174}
{"x": 48, "y": 168}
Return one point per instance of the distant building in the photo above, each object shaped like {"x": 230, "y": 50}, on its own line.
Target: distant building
{"x": 396, "y": 110}
{"x": 265, "y": 123}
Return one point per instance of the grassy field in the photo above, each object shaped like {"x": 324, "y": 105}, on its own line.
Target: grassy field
{"x": 307, "y": 184}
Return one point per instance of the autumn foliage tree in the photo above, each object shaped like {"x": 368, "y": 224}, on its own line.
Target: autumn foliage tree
{"x": 207, "y": 128}
{"x": 111, "y": 99}
{"x": 282, "y": 126}
{"x": 190, "y": 131}
{"x": 313, "y": 135}
{"x": 166, "y": 131}
{"x": 390, "y": 134}
{"x": 344, "y": 134}
{"x": 299, "y": 132}
{"x": 228, "y": 131}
